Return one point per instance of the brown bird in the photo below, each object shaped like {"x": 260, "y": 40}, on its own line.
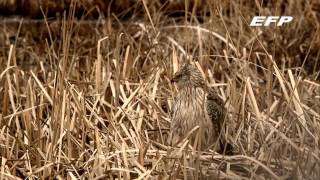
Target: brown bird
{"x": 196, "y": 105}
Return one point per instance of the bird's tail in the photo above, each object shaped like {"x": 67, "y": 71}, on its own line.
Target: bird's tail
{"x": 225, "y": 148}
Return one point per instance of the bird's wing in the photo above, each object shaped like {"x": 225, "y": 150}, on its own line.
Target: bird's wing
{"x": 215, "y": 109}
{"x": 216, "y": 112}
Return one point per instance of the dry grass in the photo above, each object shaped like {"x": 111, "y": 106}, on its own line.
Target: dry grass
{"x": 91, "y": 100}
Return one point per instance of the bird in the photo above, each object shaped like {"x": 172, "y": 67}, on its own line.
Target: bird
{"x": 196, "y": 104}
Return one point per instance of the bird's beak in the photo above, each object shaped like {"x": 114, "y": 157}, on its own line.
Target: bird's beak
{"x": 173, "y": 80}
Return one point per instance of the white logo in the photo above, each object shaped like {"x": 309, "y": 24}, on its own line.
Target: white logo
{"x": 267, "y": 20}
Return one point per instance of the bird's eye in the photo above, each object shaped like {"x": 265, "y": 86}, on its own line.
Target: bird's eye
{"x": 178, "y": 76}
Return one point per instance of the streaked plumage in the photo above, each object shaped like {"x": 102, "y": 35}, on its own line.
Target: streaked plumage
{"x": 195, "y": 104}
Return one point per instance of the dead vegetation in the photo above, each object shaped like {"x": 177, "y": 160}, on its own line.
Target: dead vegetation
{"x": 86, "y": 99}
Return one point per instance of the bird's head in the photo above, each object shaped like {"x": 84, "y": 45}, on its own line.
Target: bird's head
{"x": 188, "y": 76}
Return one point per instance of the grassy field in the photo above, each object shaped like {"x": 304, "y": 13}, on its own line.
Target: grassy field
{"x": 90, "y": 98}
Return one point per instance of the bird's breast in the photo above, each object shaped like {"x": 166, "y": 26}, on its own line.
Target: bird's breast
{"x": 189, "y": 109}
